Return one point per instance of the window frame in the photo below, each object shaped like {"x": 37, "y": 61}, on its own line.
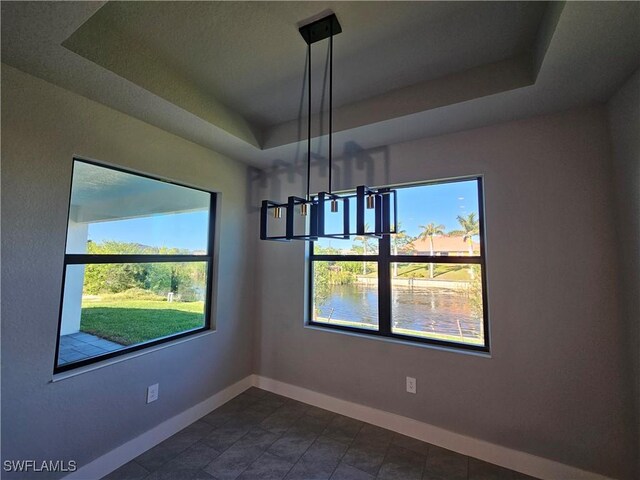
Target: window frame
{"x": 384, "y": 259}
{"x": 87, "y": 259}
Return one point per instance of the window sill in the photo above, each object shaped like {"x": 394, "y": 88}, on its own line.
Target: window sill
{"x": 128, "y": 356}
{"x": 398, "y": 341}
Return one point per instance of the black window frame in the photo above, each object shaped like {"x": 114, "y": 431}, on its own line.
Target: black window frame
{"x": 86, "y": 259}
{"x": 384, "y": 259}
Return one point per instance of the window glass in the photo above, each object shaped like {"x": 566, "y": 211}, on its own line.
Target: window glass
{"x": 439, "y": 220}
{"x": 125, "y": 304}
{"x": 356, "y": 245}
{"x": 425, "y": 283}
{"x": 441, "y": 301}
{"x": 346, "y": 293}
{"x": 137, "y": 264}
{"x": 116, "y": 212}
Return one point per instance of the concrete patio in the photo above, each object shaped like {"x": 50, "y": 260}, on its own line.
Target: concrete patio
{"x": 80, "y": 346}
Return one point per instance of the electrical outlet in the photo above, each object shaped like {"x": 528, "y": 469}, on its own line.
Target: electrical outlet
{"x": 152, "y": 393}
{"x": 411, "y": 385}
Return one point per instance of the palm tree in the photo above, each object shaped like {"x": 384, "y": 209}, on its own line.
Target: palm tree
{"x": 400, "y": 241}
{"x": 470, "y": 227}
{"x": 366, "y": 245}
{"x": 428, "y": 231}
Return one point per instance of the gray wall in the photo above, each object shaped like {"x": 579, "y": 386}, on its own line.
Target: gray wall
{"x": 557, "y": 384}
{"x": 86, "y": 416}
{"x": 624, "y": 117}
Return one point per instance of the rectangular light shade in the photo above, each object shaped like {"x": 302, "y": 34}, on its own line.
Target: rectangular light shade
{"x": 268, "y": 207}
{"x": 323, "y": 198}
{"x": 385, "y": 204}
{"x": 312, "y": 211}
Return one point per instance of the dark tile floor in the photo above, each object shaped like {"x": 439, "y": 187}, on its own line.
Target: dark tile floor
{"x": 79, "y": 346}
{"x": 263, "y": 436}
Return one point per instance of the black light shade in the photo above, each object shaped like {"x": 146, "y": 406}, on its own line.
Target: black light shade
{"x": 385, "y": 203}
{"x": 323, "y": 198}
{"x": 292, "y": 203}
{"x": 268, "y": 207}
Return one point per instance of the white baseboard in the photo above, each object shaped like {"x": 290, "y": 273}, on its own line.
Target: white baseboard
{"x": 473, "y": 447}
{"x": 489, "y": 452}
{"x": 126, "y": 452}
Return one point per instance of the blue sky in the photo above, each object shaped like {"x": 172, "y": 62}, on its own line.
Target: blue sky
{"x": 437, "y": 203}
{"x": 182, "y": 230}
{"x": 440, "y": 204}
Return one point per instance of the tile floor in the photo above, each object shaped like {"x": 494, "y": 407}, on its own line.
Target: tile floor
{"x": 263, "y": 436}
{"x": 78, "y": 346}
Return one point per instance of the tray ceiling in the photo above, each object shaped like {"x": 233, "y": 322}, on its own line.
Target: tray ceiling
{"x": 231, "y": 75}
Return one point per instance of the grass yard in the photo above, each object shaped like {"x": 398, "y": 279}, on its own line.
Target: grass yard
{"x": 129, "y": 322}
{"x": 441, "y": 271}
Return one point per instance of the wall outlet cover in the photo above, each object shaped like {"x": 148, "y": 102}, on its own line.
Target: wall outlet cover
{"x": 152, "y": 393}
{"x": 411, "y": 385}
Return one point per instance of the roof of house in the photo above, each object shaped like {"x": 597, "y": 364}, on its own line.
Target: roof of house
{"x": 443, "y": 243}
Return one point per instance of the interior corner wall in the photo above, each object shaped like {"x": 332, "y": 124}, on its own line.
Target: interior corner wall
{"x": 85, "y": 416}
{"x": 557, "y": 382}
{"x": 624, "y": 119}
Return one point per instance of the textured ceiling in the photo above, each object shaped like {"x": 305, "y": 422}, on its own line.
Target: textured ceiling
{"x": 250, "y": 57}
{"x": 230, "y": 75}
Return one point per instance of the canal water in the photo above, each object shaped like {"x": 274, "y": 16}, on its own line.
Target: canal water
{"x": 422, "y": 309}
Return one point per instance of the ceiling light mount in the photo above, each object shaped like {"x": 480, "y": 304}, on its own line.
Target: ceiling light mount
{"x": 320, "y": 29}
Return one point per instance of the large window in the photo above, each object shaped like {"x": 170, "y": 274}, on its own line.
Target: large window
{"x": 137, "y": 265}
{"x": 425, "y": 284}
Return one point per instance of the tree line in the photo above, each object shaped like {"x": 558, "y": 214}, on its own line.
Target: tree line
{"x": 329, "y": 273}
{"x": 161, "y": 278}
{"x": 401, "y": 242}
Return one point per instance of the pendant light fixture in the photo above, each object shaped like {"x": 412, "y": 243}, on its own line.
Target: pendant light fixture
{"x": 382, "y": 201}
{"x": 318, "y": 31}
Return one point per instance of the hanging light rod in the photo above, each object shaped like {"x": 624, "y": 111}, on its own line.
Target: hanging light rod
{"x": 313, "y": 32}
{"x": 313, "y": 208}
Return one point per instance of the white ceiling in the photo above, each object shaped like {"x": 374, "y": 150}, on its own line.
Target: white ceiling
{"x": 230, "y": 75}
{"x": 251, "y": 57}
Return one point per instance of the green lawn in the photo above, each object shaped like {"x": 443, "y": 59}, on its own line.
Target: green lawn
{"x": 129, "y": 322}
{"x": 440, "y": 272}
